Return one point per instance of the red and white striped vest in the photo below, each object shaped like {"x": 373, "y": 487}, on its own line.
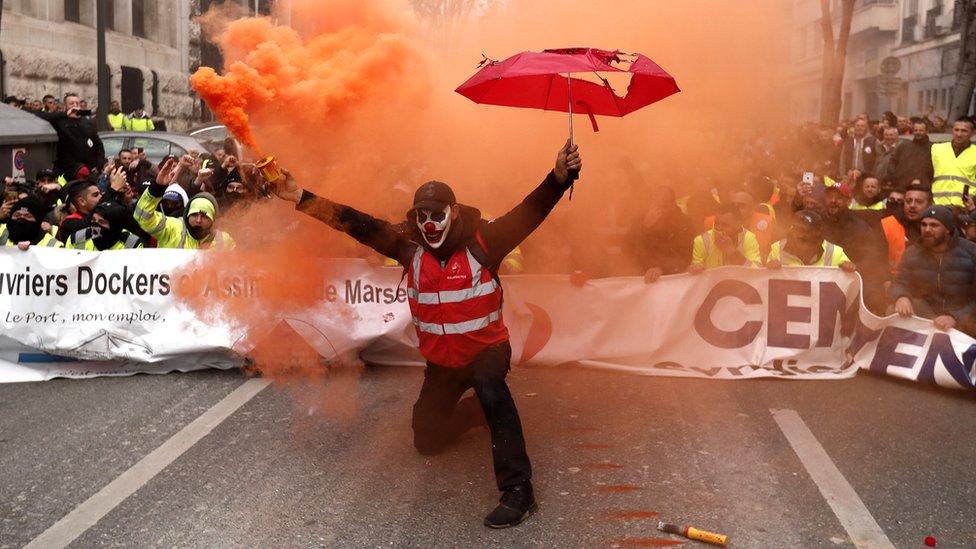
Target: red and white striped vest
{"x": 457, "y": 308}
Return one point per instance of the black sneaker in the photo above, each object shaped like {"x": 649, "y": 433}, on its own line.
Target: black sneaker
{"x": 516, "y": 505}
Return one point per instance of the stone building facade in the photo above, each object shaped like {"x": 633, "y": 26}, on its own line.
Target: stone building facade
{"x": 922, "y": 35}
{"x": 152, "y": 47}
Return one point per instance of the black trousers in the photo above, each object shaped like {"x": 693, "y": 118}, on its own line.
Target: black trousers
{"x": 438, "y": 418}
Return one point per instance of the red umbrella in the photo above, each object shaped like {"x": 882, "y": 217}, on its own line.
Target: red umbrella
{"x": 543, "y": 80}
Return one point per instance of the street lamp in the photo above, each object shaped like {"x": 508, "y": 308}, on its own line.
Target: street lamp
{"x": 103, "y": 75}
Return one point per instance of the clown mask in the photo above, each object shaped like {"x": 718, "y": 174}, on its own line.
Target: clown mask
{"x": 434, "y": 225}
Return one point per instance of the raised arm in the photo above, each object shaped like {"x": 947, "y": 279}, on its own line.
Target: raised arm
{"x": 378, "y": 234}
{"x": 506, "y": 232}
{"x": 146, "y": 213}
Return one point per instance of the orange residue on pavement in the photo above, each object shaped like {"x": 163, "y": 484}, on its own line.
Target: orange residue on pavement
{"x": 647, "y": 542}
{"x": 618, "y": 488}
{"x": 603, "y": 465}
{"x": 631, "y": 515}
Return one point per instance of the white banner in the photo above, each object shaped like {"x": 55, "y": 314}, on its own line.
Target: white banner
{"x": 82, "y": 314}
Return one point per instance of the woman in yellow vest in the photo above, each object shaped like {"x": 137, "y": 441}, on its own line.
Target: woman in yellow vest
{"x": 805, "y": 245}
{"x": 954, "y": 166}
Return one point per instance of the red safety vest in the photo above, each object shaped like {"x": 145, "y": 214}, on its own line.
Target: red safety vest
{"x": 457, "y": 308}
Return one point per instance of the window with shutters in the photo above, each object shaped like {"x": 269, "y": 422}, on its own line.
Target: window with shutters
{"x": 139, "y": 18}
{"x": 72, "y": 10}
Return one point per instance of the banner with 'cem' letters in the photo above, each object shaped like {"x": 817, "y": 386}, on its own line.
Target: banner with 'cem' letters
{"x": 66, "y": 313}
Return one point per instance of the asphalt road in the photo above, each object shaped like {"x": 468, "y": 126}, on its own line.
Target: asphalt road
{"x": 334, "y": 466}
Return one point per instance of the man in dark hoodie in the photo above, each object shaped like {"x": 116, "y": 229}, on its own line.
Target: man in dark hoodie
{"x": 451, "y": 257}
{"x": 23, "y": 229}
{"x": 107, "y": 230}
{"x": 196, "y": 229}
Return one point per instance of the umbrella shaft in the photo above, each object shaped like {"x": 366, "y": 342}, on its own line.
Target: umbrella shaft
{"x": 569, "y": 88}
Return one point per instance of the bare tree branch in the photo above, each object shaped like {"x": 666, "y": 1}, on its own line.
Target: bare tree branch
{"x": 962, "y": 92}
{"x": 834, "y": 60}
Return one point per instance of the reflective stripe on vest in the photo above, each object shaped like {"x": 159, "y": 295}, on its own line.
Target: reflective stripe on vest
{"x": 453, "y": 296}
{"x": 51, "y": 242}
{"x": 131, "y": 242}
{"x": 958, "y": 178}
{"x": 458, "y": 328}
{"x": 142, "y": 214}
{"x": 478, "y": 289}
{"x": 4, "y": 236}
{"x": 80, "y": 237}
{"x": 182, "y": 236}
{"x": 456, "y": 307}
{"x": 952, "y": 173}
{"x": 828, "y": 256}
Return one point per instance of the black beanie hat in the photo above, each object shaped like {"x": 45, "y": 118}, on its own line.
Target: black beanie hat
{"x": 942, "y": 215}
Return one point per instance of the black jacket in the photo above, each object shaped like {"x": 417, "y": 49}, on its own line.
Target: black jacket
{"x": 400, "y": 242}
{"x": 912, "y": 160}
{"x": 869, "y": 153}
{"x": 78, "y": 143}
{"x": 947, "y": 281}
{"x": 665, "y": 245}
{"x": 865, "y": 246}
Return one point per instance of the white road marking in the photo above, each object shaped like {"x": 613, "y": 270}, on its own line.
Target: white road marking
{"x": 843, "y": 500}
{"x": 83, "y": 517}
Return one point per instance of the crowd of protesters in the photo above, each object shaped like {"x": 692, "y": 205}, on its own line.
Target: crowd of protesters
{"x": 872, "y": 196}
{"x": 85, "y": 201}
{"x": 859, "y": 197}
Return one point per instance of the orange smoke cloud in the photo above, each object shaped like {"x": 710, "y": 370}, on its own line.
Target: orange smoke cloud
{"x": 287, "y": 83}
{"x": 355, "y": 97}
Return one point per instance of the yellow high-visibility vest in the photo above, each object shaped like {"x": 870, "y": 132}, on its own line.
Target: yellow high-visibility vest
{"x": 117, "y": 121}
{"x": 705, "y": 252}
{"x": 172, "y": 232}
{"x": 832, "y": 256}
{"x": 82, "y": 240}
{"x": 141, "y": 125}
{"x": 855, "y": 205}
{"x": 952, "y": 173}
{"x": 47, "y": 242}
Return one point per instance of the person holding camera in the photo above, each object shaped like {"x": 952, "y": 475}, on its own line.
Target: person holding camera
{"x": 80, "y": 151}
